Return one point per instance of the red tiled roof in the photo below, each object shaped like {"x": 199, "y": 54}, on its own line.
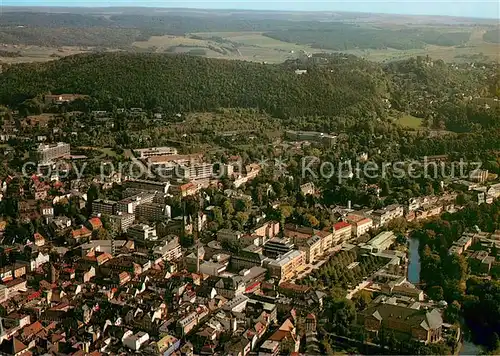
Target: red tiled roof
{"x": 32, "y": 329}
{"x": 96, "y": 223}
{"x": 38, "y": 236}
{"x": 294, "y": 287}
{"x": 83, "y": 231}
{"x": 187, "y": 186}
{"x": 341, "y": 225}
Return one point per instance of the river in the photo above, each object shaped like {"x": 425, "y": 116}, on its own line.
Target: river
{"x": 468, "y": 348}
{"x": 414, "y": 262}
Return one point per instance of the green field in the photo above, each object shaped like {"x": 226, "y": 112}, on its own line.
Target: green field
{"x": 254, "y": 46}
{"x": 410, "y": 122}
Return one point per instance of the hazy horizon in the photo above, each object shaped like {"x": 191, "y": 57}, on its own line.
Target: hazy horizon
{"x": 469, "y": 8}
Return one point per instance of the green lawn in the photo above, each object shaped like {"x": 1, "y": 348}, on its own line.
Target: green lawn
{"x": 410, "y": 122}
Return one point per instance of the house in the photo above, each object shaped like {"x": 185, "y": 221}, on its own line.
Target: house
{"x": 95, "y": 223}
{"x": 287, "y": 338}
{"x": 406, "y": 323}
{"x": 308, "y": 189}
{"x": 62, "y": 98}
{"x": 39, "y": 239}
{"x": 80, "y": 234}
{"x": 167, "y": 345}
{"x": 135, "y": 341}
{"x": 14, "y": 347}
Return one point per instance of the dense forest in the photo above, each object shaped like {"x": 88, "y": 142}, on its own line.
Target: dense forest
{"x": 345, "y": 37}
{"x": 340, "y": 85}
{"x": 69, "y": 36}
{"x": 118, "y": 30}
{"x": 181, "y": 83}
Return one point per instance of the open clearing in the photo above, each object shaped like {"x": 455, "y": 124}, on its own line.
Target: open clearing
{"x": 410, "y": 122}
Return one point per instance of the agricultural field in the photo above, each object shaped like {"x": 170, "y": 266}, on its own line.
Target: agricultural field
{"x": 37, "y": 53}
{"x": 255, "y": 46}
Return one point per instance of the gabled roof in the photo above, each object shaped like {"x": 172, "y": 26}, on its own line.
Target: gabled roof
{"x": 12, "y": 346}
{"x": 37, "y": 236}
{"x": 425, "y": 319}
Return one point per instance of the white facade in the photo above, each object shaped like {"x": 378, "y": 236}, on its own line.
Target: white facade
{"x": 142, "y": 232}
{"x": 135, "y": 341}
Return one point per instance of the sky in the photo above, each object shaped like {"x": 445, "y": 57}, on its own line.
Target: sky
{"x": 460, "y": 8}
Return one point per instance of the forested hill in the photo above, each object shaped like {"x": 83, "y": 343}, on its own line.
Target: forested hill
{"x": 182, "y": 83}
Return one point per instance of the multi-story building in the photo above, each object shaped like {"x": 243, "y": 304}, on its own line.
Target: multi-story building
{"x": 170, "y": 251}
{"x": 463, "y": 243}
{"x": 101, "y": 206}
{"x": 195, "y": 171}
{"x": 286, "y": 266}
{"x": 155, "y": 151}
{"x": 148, "y": 185}
{"x": 228, "y": 287}
{"x": 326, "y": 239}
{"x": 312, "y": 248}
{"x": 187, "y": 323}
{"x": 384, "y": 215}
{"x": 301, "y": 236}
{"x": 360, "y": 224}
{"x": 229, "y": 235}
{"x": 342, "y": 231}
{"x": 479, "y": 175}
{"x": 278, "y": 246}
{"x": 48, "y": 153}
{"x": 246, "y": 259}
{"x": 129, "y": 205}
{"x": 122, "y": 221}
{"x": 142, "y": 232}
{"x": 152, "y": 211}
{"x": 267, "y": 230}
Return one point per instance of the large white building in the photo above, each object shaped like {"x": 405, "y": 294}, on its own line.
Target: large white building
{"x": 142, "y": 232}
{"x": 128, "y": 205}
{"x": 155, "y": 151}
{"x": 48, "y": 153}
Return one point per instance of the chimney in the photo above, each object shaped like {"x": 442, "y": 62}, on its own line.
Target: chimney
{"x": 349, "y": 205}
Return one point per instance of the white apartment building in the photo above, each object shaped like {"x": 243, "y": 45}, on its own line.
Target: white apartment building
{"x": 142, "y": 232}
{"x": 155, "y": 151}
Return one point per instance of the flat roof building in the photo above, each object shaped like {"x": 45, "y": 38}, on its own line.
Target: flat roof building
{"x": 277, "y": 246}
{"x": 381, "y": 242}
{"x": 155, "y": 151}
{"x": 47, "y": 153}
{"x": 286, "y": 266}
